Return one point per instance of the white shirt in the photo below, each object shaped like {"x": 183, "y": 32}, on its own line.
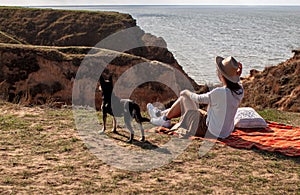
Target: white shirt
{"x": 222, "y": 107}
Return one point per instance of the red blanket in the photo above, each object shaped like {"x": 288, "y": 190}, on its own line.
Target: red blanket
{"x": 275, "y": 138}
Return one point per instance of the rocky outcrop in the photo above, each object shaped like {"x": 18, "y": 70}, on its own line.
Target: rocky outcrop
{"x": 61, "y": 28}
{"x": 275, "y": 87}
{"x": 44, "y": 74}
{"x": 32, "y": 75}
{"x": 49, "y": 27}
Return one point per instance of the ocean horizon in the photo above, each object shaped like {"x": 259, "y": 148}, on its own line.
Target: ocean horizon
{"x": 257, "y": 35}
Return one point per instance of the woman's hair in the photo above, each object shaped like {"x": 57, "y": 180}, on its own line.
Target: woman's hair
{"x": 234, "y": 87}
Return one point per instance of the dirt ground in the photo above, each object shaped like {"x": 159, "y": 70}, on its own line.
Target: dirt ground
{"x": 42, "y": 153}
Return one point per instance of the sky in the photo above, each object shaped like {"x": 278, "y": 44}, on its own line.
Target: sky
{"x": 147, "y": 2}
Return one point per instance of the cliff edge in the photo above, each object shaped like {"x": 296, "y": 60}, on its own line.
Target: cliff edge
{"x": 42, "y": 49}
{"x": 59, "y": 27}
{"x": 275, "y": 87}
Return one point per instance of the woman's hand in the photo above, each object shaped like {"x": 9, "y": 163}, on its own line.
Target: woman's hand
{"x": 240, "y": 69}
{"x": 185, "y": 92}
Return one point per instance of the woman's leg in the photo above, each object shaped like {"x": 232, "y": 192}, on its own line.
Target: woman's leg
{"x": 180, "y": 106}
{"x": 192, "y": 123}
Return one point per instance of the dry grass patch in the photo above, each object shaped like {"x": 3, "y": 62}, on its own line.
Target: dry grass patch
{"x": 41, "y": 153}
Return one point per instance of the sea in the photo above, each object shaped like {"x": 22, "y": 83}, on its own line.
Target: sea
{"x": 257, "y": 36}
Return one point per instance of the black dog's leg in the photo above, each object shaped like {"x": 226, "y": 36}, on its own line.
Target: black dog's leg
{"x": 139, "y": 119}
{"x": 127, "y": 119}
{"x": 114, "y": 130}
{"x": 142, "y": 132}
{"x": 104, "y": 116}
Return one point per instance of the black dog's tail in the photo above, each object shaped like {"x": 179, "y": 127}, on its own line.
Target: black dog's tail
{"x": 144, "y": 119}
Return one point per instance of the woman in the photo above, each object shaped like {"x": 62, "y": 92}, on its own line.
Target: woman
{"x": 223, "y": 103}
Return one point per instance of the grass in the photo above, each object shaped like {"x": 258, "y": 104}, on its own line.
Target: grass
{"x": 289, "y": 118}
{"x": 41, "y": 153}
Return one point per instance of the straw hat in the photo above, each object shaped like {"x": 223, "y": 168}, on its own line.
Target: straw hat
{"x": 228, "y": 68}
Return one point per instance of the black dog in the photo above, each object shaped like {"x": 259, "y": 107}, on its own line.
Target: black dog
{"x": 113, "y": 105}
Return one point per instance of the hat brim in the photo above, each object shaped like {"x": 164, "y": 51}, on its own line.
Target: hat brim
{"x": 220, "y": 66}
